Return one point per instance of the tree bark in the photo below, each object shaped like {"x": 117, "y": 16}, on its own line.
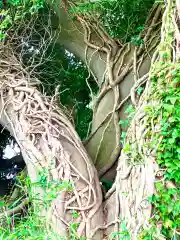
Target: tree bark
{"x": 115, "y": 65}
{"x": 50, "y": 146}
{"x": 72, "y": 35}
{"x": 138, "y": 169}
{"x": 123, "y": 70}
{"x": 49, "y": 142}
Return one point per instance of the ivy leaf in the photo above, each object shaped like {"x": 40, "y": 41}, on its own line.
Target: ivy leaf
{"x": 2, "y": 36}
{"x": 159, "y": 186}
{"x": 2, "y": 204}
{"x": 75, "y": 214}
{"x": 126, "y": 148}
{"x": 172, "y": 99}
{"x": 168, "y": 107}
{"x": 168, "y": 223}
{"x": 121, "y": 122}
{"x": 124, "y": 123}
{"x": 140, "y": 90}
{"x": 172, "y": 119}
{"x": 123, "y": 135}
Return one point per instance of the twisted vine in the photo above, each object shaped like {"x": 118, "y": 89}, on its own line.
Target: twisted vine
{"x": 138, "y": 169}
{"x": 117, "y": 67}
{"x": 47, "y": 139}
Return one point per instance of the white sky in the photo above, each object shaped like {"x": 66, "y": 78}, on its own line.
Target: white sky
{"x": 11, "y": 150}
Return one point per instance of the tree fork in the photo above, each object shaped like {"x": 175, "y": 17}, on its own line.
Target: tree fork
{"x": 104, "y": 144}
{"x": 118, "y": 66}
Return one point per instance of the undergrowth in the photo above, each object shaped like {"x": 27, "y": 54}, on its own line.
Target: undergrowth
{"x": 30, "y": 224}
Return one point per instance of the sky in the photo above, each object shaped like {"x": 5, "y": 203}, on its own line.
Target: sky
{"x": 11, "y": 150}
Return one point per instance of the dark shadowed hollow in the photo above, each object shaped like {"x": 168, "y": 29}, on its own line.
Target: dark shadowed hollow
{"x": 11, "y": 161}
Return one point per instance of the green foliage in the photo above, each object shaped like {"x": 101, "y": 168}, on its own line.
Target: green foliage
{"x": 166, "y": 202}
{"x": 50, "y": 187}
{"x": 152, "y": 233}
{"x": 31, "y": 225}
{"x": 14, "y": 11}
{"x": 122, "y": 235}
{"x": 58, "y": 67}
{"x": 122, "y": 19}
{"x": 66, "y": 70}
{"x": 106, "y": 183}
{"x": 136, "y": 40}
{"x": 123, "y": 136}
{"x": 167, "y": 209}
{"x": 77, "y": 94}
{"x": 166, "y": 140}
{"x": 75, "y": 214}
{"x": 73, "y": 231}
{"x": 140, "y": 90}
{"x": 169, "y": 147}
{"x": 130, "y": 111}
{"x": 124, "y": 123}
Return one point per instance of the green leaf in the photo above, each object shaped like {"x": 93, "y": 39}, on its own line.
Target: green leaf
{"x": 169, "y": 108}
{"x": 75, "y": 214}
{"x": 140, "y": 90}
{"x": 172, "y": 99}
{"x": 126, "y": 148}
{"x": 2, "y": 204}
{"x": 168, "y": 223}
{"x": 121, "y": 122}
{"x": 129, "y": 109}
{"x": 172, "y": 119}
{"x": 159, "y": 186}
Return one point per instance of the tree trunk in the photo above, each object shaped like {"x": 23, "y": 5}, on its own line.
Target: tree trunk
{"x": 117, "y": 67}
{"x": 138, "y": 169}
{"x": 50, "y": 146}
{"x": 49, "y": 142}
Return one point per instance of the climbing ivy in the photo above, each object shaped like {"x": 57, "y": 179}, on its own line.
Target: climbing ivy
{"x": 166, "y": 140}
{"x": 169, "y": 148}
{"x": 166, "y": 211}
{"x": 163, "y": 118}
